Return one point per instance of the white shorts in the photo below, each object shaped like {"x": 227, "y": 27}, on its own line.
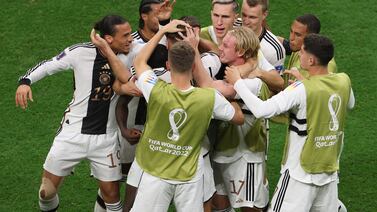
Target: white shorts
{"x": 69, "y": 148}
{"x": 127, "y": 151}
{"x": 292, "y": 195}
{"x": 134, "y": 175}
{"x": 244, "y": 183}
{"x": 155, "y": 195}
{"x": 209, "y": 188}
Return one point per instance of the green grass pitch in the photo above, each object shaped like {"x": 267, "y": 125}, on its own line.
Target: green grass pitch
{"x": 34, "y": 30}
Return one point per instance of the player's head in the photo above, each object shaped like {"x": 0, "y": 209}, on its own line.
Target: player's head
{"x": 317, "y": 50}
{"x": 148, "y": 14}
{"x": 181, "y": 57}
{"x": 302, "y": 26}
{"x": 254, "y": 13}
{"x": 116, "y": 31}
{"x": 223, "y": 15}
{"x": 238, "y": 45}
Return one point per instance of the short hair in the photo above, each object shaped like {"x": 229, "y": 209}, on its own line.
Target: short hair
{"x": 247, "y": 42}
{"x": 106, "y": 26}
{"x": 312, "y": 23}
{"x": 144, "y": 8}
{"x": 233, "y": 2}
{"x": 320, "y": 46}
{"x": 181, "y": 57}
{"x": 191, "y": 20}
{"x": 263, "y": 3}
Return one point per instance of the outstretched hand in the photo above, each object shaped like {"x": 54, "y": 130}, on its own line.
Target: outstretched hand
{"x": 23, "y": 94}
{"x": 101, "y": 43}
{"x": 166, "y": 10}
{"x": 191, "y": 37}
{"x": 232, "y": 74}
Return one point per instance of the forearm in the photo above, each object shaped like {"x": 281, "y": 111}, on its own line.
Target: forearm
{"x": 141, "y": 59}
{"x": 120, "y": 71}
{"x": 121, "y": 112}
{"x": 201, "y": 77}
{"x": 260, "y": 109}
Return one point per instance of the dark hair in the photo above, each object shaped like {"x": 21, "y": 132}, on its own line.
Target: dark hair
{"x": 320, "y": 46}
{"x": 191, "y": 20}
{"x": 263, "y": 3}
{"x": 311, "y": 21}
{"x": 181, "y": 57}
{"x": 106, "y": 26}
{"x": 145, "y": 9}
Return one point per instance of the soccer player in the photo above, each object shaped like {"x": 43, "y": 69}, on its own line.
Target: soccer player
{"x": 88, "y": 129}
{"x": 254, "y": 13}
{"x": 239, "y": 151}
{"x": 169, "y": 152}
{"x": 300, "y": 28}
{"x": 316, "y": 131}
{"x": 131, "y": 111}
{"x": 223, "y": 15}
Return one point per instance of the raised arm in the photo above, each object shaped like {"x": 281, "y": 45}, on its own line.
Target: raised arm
{"x": 120, "y": 70}
{"x": 140, "y": 62}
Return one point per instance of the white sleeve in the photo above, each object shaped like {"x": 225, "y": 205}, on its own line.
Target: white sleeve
{"x": 278, "y": 104}
{"x": 146, "y": 82}
{"x": 263, "y": 63}
{"x": 62, "y": 61}
{"x": 253, "y": 85}
{"x": 222, "y": 109}
{"x": 351, "y": 101}
{"x": 211, "y": 63}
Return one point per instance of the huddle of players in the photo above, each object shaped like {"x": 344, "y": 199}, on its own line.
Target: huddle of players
{"x": 175, "y": 164}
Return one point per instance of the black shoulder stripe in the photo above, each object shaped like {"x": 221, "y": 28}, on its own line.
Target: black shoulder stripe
{"x": 299, "y": 132}
{"x": 294, "y": 117}
{"x": 33, "y": 68}
{"x": 268, "y": 37}
{"x": 84, "y": 45}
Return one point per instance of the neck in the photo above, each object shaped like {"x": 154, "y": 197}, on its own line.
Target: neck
{"x": 146, "y": 33}
{"x": 318, "y": 70}
{"x": 182, "y": 81}
{"x": 259, "y": 31}
{"x": 238, "y": 61}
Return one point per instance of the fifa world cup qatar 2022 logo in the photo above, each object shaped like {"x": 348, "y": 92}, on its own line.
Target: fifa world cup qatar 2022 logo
{"x": 334, "y": 105}
{"x": 177, "y": 118}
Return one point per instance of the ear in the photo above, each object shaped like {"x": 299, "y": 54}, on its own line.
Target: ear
{"x": 312, "y": 61}
{"x": 167, "y": 65}
{"x": 265, "y": 14}
{"x": 108, "y": 38}
{"x": 240, "y": 53}
{"x": 144, "y": 16}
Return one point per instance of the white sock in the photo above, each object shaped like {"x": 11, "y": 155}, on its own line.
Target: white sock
{"x": 99, "y": 206}
{"x": 50, "y": 204}
{"x": 114, "y": 207}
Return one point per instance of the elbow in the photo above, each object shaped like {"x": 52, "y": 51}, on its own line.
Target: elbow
{"x": 238, "y": 119}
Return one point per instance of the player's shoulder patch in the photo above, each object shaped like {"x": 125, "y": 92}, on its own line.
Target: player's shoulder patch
{"x": 151, "y": 79}
{"x": 294, "y": 85}
{"x": 61, "y": 55}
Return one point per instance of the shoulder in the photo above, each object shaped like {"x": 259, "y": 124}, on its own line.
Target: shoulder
{"x": 82, "y": 46}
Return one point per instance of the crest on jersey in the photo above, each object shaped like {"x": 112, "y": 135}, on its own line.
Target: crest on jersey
{"x": 104, "y": 77}
{"x": 176, "y": 119}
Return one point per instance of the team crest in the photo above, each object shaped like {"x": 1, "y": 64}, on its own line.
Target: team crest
{"x": 104, "y": 77}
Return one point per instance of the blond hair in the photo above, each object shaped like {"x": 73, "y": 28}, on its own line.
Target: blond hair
{"x": 246, "y": 42}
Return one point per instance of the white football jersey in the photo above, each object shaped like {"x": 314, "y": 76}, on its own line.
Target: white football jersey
{"x": 92, "y": 109}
